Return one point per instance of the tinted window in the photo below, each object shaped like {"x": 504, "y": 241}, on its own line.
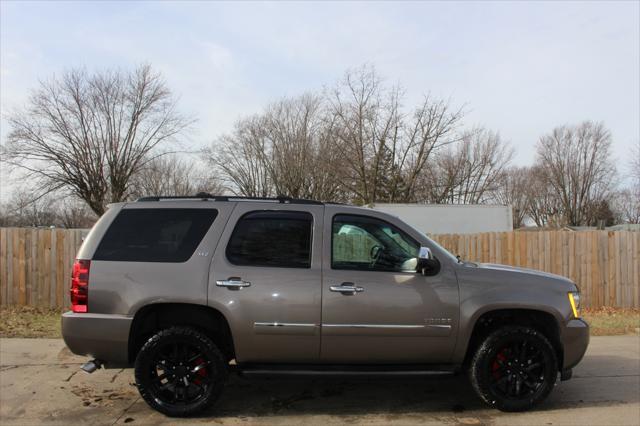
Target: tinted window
{"x": 369, "y": 244}
{"x": 155, "y": 235}
{"x": 269, "y": 238}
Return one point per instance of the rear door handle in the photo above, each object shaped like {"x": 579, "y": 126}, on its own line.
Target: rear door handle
{"x": 233, "y": 283}
{"x": 346, "y": 288}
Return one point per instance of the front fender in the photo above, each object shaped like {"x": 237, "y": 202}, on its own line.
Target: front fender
{"x": 483, "y": 291}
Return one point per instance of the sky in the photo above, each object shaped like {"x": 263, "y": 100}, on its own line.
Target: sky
{"x": 520, "y": 68}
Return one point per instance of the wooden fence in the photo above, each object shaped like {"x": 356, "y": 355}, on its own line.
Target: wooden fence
{"x": 35, "y": 264}
{"x": 605, "y": 265}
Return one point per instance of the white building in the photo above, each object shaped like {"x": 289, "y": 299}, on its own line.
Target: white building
{"x": 452, "y": 218}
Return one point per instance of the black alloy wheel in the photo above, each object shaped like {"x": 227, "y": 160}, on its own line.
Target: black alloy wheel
{"x": 517, "y": 370}
{"x": 180, "y": 371}
{"x": 514, "y": 369}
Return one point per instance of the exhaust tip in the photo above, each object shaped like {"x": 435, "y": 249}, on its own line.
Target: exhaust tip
{"x": 91, "y": 366}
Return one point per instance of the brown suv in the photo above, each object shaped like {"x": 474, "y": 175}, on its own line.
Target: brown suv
{"x": 181, "y": 287}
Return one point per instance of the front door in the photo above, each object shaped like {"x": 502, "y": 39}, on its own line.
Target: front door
{"x": 266, "y": 280}
{"x": 376, "y": 308}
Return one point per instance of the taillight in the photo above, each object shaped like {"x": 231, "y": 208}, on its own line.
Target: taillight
{"x": 80, "y": 285}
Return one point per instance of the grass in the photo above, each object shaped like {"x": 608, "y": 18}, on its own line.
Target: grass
{"x": 22, "y": 321}
{"x": 25, "y": 321}
{"x": 612, "y": 321}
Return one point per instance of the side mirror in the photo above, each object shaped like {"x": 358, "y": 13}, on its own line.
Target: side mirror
{"x": 427, "y": 265}
{"x": 425, "y": 253}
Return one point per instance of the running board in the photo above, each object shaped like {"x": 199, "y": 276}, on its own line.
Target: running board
{"x": 345, "y": 370}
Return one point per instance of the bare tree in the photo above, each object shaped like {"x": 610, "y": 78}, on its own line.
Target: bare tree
{"x": 74, "y": 213}
{"x": 514, "y": 189}
{"x": 286, "y": 150}
{"x": 599, "y": 213}
{"x": 172, "y": 176}
{"x": 576, "y": 163}
{"x": 366, "y": 124}
{"x": 544, "y": 204}
{"x": 90, "y": 133}
{"x": 350, "y": 144}
{"x": 53, "y": 209}
{"x": 626, "y": 204}
{"x": 21, "y": 210}
{"x": 387, "y": 151}
{"x": 300, "y": 159}
{"x": 241, "y": 156}
{"x": 469, "y": 173}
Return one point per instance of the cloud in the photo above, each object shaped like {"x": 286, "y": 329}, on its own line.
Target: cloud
{"x": 521, "y": 67}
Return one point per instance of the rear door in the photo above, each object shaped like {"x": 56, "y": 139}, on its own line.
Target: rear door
{"x": 266, "y": 279}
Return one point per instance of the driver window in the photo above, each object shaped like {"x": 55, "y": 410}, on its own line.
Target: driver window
{"x": 369, "y": 244}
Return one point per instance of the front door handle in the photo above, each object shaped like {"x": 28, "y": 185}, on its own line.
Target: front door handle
{"x": 233, "y": 283}
{"x": 347, "y": 288}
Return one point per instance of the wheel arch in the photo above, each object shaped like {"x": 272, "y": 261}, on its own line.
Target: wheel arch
{"x": 157, "y": 316}
{"x": 491, "y": 319}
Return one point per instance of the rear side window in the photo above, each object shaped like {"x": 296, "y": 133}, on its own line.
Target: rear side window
{"x": 155, "y": 235}
{"x": 272, "y": 238}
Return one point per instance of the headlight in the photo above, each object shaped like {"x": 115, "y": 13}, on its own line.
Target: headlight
{"x": 574, "y": 300}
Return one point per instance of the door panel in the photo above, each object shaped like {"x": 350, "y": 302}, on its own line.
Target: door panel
{"x": 397, "y": 317}
{"x": 277, "y": 317}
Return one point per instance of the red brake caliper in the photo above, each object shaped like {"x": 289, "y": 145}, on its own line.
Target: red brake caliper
{"x": 496, "y": 366}
{"x": 202, "y": 372}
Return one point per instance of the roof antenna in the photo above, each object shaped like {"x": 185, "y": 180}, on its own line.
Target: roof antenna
{"x": 204, "y": 195}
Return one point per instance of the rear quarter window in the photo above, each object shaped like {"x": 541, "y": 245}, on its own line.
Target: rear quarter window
{"x": 155, "y": 235}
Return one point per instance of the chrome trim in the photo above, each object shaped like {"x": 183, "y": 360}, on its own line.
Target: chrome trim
{"x": 297, "y": 324}
{"x": 346, "y": 288}
{"x": 283, "y": 324}
{"x": 233, "y": 283}
{"x": 373, "y": 325}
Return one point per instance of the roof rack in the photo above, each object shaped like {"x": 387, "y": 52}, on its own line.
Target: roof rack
{"x": 203, "y": 196}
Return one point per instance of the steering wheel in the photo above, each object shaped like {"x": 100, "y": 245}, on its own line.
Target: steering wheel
{"x": 375, "y": 253}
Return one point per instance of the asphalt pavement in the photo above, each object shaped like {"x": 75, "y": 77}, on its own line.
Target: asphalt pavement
{"x": 40, "y": 383}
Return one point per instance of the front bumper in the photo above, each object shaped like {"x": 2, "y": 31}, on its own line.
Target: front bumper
{"x": 575, "y": 339}
{"x": 103, "y": 337}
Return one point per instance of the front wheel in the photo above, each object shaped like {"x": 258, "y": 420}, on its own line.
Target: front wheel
{"x": 514, "y": 369}
{"x": 180, "y": 371}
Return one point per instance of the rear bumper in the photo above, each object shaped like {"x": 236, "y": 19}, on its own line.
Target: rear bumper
{"x": 575, "y": 339}
{"x": 103, "y": 337}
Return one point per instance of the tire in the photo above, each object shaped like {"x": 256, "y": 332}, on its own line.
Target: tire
{"x": 180, "y": 372}
{"x": 506, "y": 381}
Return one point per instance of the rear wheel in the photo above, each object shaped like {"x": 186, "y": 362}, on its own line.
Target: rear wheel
{"x": 514, "y": 369}
{"x": 180, "y": 371}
